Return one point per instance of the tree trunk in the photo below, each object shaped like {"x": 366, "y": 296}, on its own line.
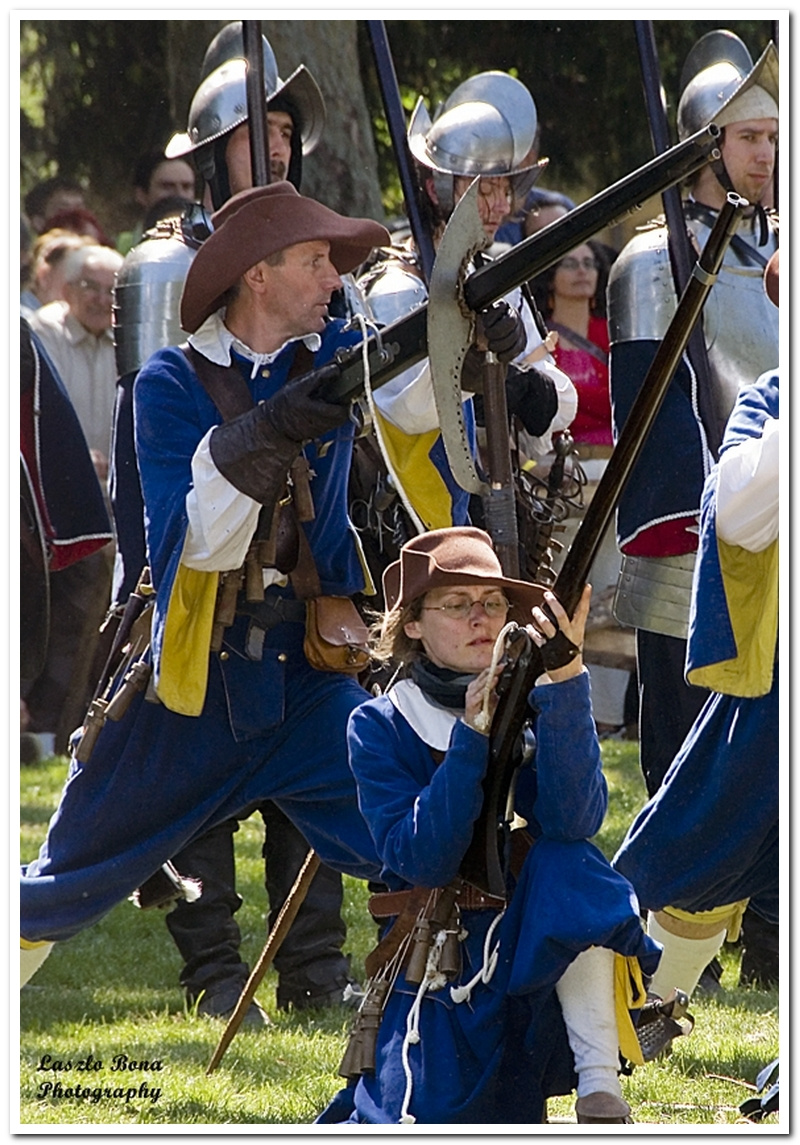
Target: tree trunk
{"x": 342, "y": 172}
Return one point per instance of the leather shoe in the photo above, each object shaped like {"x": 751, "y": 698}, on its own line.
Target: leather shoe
{"x": 602, "y": 1109}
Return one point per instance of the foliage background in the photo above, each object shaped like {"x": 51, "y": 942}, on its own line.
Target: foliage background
{"x": 96, "y": 93}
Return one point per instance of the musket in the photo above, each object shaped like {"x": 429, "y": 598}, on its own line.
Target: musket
{"x": 482, "y": 863}
{"x": 680, "y": 251}
{"x": 256, "y": 103}
{"x": 395, "y": 120}
{"x": 404, "y": 343}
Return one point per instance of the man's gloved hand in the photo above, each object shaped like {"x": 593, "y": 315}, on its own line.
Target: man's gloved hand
{"x": 296, "y": 413}
{"x": 254, "y": 451}
{"x": 502, "y": 330}
{"x": 532, "y": 397}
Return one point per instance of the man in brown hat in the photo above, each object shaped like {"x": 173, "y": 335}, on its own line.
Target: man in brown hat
{"x": 238, "y": 707}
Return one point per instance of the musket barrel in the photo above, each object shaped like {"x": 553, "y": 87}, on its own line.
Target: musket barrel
{"x": 549, "y": 245}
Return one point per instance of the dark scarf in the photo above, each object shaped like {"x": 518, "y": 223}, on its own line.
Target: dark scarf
{"x": 442, "y": 685}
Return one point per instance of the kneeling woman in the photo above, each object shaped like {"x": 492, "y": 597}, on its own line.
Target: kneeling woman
{"x": 514, "y": 999}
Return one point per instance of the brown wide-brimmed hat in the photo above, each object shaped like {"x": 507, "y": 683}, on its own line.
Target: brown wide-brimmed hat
{"x": 458, "y": 555}
{"x": 771, "y": 277}
{"x": 260, "y": 222}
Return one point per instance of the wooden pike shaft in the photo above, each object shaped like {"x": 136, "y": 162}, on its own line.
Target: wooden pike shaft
{"x": 286, "y": 917}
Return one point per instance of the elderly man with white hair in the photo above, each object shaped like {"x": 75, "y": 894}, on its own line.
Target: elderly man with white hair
{"x": 78, "y": 337}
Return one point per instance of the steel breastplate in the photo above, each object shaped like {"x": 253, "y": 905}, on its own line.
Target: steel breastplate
{"x": 147, "y": 294}
{"x": 739, "y": 321}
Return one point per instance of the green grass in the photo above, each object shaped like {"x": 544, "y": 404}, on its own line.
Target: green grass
{"x": 114, "y": 989}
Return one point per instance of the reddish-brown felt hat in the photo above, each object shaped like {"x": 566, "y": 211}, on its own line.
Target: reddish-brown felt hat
{"x": 259, "y": 222}
{"x": 459, "y": 555}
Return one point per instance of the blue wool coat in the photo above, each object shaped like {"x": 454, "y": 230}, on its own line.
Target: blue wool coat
{"x": 496, "y": 1057}
{"x": 709, "y": 836}
{"x": 272, "y": 728}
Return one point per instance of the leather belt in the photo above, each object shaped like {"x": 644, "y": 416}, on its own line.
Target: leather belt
{"x": 389, "y": 903}
{"x": 273, "y": 610}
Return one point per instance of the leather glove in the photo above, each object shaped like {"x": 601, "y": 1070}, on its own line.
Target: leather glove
{"x": 532, "y": 397}
{"x": 255, "y": 450}
{"x": 503, "y": 331}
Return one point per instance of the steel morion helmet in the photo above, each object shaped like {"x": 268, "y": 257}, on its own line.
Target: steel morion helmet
{"x": 486, "y": 127}
{"x": 722, "y": 85}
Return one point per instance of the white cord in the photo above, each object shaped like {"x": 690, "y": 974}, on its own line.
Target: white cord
{"x": 462, "y": 993}
{"x": 376, "y": 425}
{"x": 431, "y": 980}
{"x": 483, "y": 719}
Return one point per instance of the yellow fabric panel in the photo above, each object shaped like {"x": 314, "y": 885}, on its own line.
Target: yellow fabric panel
{"x": 183, "y": 668}
{"x": 421, "y": 480}
{"x": 729, "y": 916}
{"x": 751, "y": 590}
{"x": 629, "y": 994}
{"x": 24, "y": 944}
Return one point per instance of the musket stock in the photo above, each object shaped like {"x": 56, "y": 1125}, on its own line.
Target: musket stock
{"x": 482, "y": 863}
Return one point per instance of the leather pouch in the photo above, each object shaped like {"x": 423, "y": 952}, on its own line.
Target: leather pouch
{"x": 336, "y": 637}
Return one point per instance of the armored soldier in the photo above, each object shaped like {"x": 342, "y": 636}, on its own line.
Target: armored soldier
{"x": 658, "y": 515}
{"x": 312, "y": 968}
{"x": 485, "y": 128}
{"x": 700, "y": 849}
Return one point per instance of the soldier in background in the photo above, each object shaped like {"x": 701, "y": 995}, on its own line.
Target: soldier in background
{"x": 659, "y": 510}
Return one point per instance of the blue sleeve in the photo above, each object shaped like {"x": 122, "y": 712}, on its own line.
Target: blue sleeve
{"x": 421, "y": 816}
{"x": 572, "y": 794}
{"x": 171, "y": 415}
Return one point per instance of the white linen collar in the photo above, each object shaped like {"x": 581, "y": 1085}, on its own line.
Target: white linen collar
{"x": 215, "y": 341}
{"x": 432, "y": 723}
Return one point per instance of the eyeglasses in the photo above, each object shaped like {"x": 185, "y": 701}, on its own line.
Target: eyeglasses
{"x": 92, "y": 287}
{"x": 570, "y": 263}
{"x": 493, "y": 606}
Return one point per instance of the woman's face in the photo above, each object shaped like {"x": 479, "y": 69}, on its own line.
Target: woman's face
{"x": 576, "y": 275}
{"x": 461, "y": 643}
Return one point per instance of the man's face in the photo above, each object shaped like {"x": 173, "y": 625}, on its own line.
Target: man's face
{"x": 494, "y": 199}
{"x": 173, "y": 177}
{"x": 748, "y": 150}
{"x": 237, "y": 153}
{"x": 300, "y": 288}
{"x": 90, "y": 297}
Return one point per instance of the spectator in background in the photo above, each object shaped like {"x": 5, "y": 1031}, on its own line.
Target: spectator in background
{"x": 571, "y": 296}
{"x": 81, "y": 222}
{"x": 49, "y": 197}
{"x": 157, "y": 178}
{"x": 46, "y": 279}
{"x": 76, "y": 333}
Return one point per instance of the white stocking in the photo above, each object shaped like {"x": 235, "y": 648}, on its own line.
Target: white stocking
{"x": 683, "y": 960}
{"x": 586, "y": 993}
{"x": 30, "y": 959}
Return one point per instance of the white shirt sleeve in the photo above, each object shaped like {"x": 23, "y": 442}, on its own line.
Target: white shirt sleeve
{"x": 747, "y": 491}
{"x": 221, "y": 519}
